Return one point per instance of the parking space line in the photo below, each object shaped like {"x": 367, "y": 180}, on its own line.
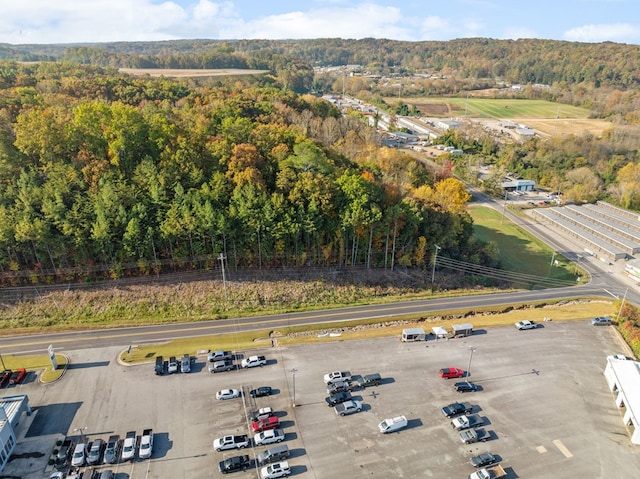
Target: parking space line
{"x": 563, "y": 448}
{"x": 541, "y": 449}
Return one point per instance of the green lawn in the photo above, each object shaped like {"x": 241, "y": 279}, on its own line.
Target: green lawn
{"x": 505, "y": 108}
{"x": 519, "y": 251}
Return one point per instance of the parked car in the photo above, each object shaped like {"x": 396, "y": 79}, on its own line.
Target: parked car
{"x": 483, "y": 460}
{"x": 348, "y": 407}
{"x": 471, "y": 436}
{"x": 185, "y": 364}
{"x": 261, "y": 392}
{"x": 521, "y": 325}
{"x": 337, "y": 376}
{"x": 271, "y": 422}
{"x": 455, "y": 409}
{"x": 221, "y": 366}
{"x": 601, "y": 321}
{"x": 227, "y": 394}
{"x": 273, "y": 454}
{"x": 230, "y": 442}
{"x": 449, "y": 373}
{"x": 95, "y": 452}
{"x": 466, "y": 386}
{"x": 338, "y": 387}
{"x": 275, "y": 470}
{"x": 17, "y": 376}
{"x": 4, "y": 378}
{"x": 129, "y": 446}
{"x": 262, "y": 413}
{"x": 235, "y": 463}
{"x": 268, "y": 437}
{"x": 62, "y": 458}
{"x": 159, "y": 367}
{"x": 112, "y": 450}
{"x": 214, "y": 356}
{"x": 173, "y": 365}
{"x": 338, "y": 398}
{"x": 79, "y": 454}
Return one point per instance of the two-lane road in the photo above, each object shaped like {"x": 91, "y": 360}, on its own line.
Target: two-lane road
{"x": 137, "y": 335}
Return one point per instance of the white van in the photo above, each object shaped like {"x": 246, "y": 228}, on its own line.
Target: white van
{"x": 393, "y": 424}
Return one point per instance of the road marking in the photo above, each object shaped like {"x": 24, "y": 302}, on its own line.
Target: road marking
{"x": 541, "y": 449}
{"x": 563, "y": 448}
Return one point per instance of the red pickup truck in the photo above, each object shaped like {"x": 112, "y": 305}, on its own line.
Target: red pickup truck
{"x": 264, "y": 424}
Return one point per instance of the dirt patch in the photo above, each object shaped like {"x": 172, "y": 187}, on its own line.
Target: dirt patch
{"x": 432, "y": 109}
{"x": 567, "y": 126}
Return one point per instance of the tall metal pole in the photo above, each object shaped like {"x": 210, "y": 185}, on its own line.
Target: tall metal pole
{"x": 222, "y": 258}
{"x": 553, "y": 257}
{"x": 504, "y": 207}
{"x": 293, "y": 373}
{"x": 622, "y": 304}
{"x": 472, "y": 349}
{"x": 435, "y": 257}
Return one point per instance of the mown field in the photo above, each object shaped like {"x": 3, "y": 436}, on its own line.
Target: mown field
{"x": 544, "y": 116}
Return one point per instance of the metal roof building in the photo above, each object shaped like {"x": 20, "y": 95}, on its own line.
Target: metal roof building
{"x": 623, "y": 377}
{"x": 11, "y": 411}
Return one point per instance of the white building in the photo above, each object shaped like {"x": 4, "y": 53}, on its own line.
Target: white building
{"x": 623, "y": 378}
{"x": 12, "y": 409}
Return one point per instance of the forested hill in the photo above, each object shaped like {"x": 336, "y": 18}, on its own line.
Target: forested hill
{"x": 518, "y": 61}
{"x": 106, "y": 174}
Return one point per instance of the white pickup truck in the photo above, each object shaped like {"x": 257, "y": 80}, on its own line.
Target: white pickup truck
{"x": 465, "y": 422}
{"x": 494, "y": 472}
{"x": 253, "y": 361}
{"x": 230, "y": 442}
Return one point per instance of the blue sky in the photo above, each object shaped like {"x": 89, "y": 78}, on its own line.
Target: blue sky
{"x": 69, "y": 21}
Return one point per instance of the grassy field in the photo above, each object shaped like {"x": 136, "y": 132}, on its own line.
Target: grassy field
{"x": 518, "y": 250}
{"x": 494, "y": 108}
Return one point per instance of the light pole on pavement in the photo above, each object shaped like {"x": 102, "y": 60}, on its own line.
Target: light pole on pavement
{"x": 472, "y": 349}
{"x": 81, "y": 431}
{"x": 293, "y": 373}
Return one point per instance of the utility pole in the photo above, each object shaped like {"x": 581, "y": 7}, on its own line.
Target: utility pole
{"x": 435, "y": 258}
{"x": 222, "y": 259}
{"x": 504, "y": 207}
{"x": 472, "y": 349}
{"x": 553, "y": 257}
{"x": 293, "y": 373}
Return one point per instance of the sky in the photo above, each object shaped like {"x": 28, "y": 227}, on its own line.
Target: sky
{"x": 91, "y": 21}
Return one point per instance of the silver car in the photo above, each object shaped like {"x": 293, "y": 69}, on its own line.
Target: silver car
{"x": 601, "y": 321}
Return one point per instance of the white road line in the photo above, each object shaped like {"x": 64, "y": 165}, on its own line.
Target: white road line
{"x": 563, "y": 448}
{"x": 541, "y": 449}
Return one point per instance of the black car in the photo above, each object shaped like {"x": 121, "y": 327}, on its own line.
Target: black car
{"x": 338, "y": 398}
{"x": 484, "y": 460}
{"x": 261, "y": 392}
{"x": 455, "y": 409}
{"x": 235, "y": 463}
{"x": 466, "y": 386}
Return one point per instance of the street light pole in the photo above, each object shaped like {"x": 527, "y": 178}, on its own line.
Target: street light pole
{"x": 293, "y": 373}
{"x": 81, "y": 431}
{"x": 435, "y": 258}
{"x": 472, "y": 349}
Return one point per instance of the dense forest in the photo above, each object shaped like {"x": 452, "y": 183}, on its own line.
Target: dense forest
{"x": 105, "y": 173}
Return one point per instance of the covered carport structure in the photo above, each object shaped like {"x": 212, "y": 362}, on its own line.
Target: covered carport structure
{"x": 623, "y": 377}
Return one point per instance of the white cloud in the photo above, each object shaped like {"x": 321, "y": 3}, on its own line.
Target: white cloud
{"x": 360, "y": 21}
{"x": 616, "y": 32}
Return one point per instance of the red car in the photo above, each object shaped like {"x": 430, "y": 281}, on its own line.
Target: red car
{"x": 265, "y": 424}
{"x": 449, "y": 373}
{"x": 17, "y": 376}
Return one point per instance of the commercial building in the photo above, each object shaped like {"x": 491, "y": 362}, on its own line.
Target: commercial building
{"x": 623, "y": 378}
{"x": 12, "y": 409}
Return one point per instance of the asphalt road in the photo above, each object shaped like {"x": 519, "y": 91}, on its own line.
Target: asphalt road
{"x": 126, "y": 336}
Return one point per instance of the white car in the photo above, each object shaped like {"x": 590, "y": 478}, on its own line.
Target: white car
{"x": 520, "y": 325}
{"x": 275, "y": 470}
{"x": 227, "y": 394}
{"x": 268, "y": 437}
{"x": 79, "y": 455}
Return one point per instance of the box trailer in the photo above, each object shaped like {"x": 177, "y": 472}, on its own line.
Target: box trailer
{"x": 413, "y": 334}
{"x": 462, "y": 330}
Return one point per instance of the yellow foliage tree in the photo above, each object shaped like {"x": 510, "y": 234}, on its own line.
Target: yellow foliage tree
{"x": 452, "y": 195}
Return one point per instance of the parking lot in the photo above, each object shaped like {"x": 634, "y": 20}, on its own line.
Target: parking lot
{"x": 546, "y": 402}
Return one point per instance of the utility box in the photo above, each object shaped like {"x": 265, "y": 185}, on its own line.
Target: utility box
{"x": 462, "y": 330}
